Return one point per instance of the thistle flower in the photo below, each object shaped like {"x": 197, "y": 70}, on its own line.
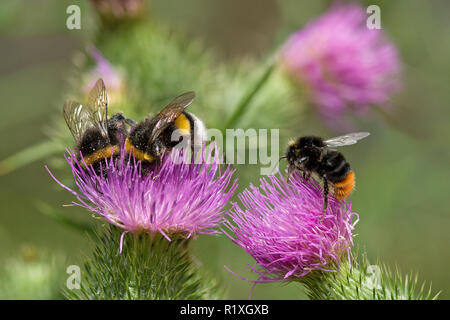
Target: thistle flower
{"x": 32, "y": 274}
{"x": 104, "y": 69}
{"x": 178, "y": 198}
{"x": 280, "y": 227}
{"x": 112, "y": 10}
{"x": 342, "y": 64}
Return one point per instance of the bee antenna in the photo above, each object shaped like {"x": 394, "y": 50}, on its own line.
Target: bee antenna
{"x": 283, "y": 157}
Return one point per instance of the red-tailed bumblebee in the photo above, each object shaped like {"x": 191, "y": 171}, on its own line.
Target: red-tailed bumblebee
{"x": 313, "y": 155}
{"x": 151, "y": 138}
{"x": 96, "y": 136}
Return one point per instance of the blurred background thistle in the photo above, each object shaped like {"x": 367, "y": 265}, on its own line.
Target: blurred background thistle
{"x": 220, "y": 52}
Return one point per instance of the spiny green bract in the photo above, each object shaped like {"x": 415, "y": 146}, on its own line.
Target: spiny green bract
{"x": 353, "y": 281}
{"x": 148, "y": 268}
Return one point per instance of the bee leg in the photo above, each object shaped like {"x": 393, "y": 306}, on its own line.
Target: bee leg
{"x": 325, "y": 196}
{"x": 156, "y": 168}
{"x": 306, "y": 175}
{"x": 195, "y": 153}
{"x": 290, "y": 170}
{"x": 130, "y": 122}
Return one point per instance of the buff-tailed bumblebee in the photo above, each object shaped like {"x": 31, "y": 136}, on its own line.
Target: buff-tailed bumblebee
{"x": 151, "y": 138}
{"x": 96, "y": 136}
{"x": 311, "y": 154}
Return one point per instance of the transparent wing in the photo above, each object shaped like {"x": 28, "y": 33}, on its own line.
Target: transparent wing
{"x": 346, "y": 139}
{"x": 98, "y": 105}
{"x": 168, "y": 115}
{"x": 78, "y": 118}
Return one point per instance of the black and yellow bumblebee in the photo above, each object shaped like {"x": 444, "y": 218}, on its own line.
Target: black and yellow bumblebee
{"x": 151, "y": 138}
{"x": 96, "y": 136}
{"x": 312, "y": 154}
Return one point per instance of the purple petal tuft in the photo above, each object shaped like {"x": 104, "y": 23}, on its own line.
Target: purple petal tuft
{"x": 344, "y": 65}
{"x": 280, "y": 227}
{"x": 179, "y": 197}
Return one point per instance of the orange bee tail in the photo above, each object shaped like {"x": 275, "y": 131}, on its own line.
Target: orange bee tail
{"x": 344, "y": 188}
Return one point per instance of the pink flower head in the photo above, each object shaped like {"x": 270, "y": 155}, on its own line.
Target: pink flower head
{"x": 280, "y": 227}
{"x": 119, "y": 9}
{"x": 177, "y": 198}
{"x": 341, "y": 62}
{"x": 103, "y": 69}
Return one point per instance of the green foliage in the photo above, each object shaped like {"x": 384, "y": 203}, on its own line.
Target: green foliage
{"x": 63, "y": 219}
{"x": 149, "y": 267}
{"x": 27, "y": 156}
{"x": 363, "y": 281}
{"x": 247, "y": 99}
{"x": 31, "y": 275}
{"x": 156, "y": 65}
{"x": 159, "y": 64}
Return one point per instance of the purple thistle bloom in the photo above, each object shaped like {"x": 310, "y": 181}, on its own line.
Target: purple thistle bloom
{"x": 177, "y": 198}
{"x": 343, "y": 65}
{"x": 280, "y": 227}
{"x": 103, "y": 69}
{"x": 119, "y": 9}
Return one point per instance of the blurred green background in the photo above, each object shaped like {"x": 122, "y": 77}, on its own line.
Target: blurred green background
{"x": 403, "y": 172}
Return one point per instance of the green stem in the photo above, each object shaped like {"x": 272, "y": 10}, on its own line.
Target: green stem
{"x": 247, "y": 99}
{"x": 149, "y": 267}
{"x": 28, "y": 155}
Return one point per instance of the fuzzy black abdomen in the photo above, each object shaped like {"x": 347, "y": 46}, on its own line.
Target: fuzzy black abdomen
{"x": 140, "y": 135}
{"x": 334, "y": 167}
{"x": 92, "y": 141}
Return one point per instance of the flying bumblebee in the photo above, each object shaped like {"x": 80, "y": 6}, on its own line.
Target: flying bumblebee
{"x": 151, "y": 138}
{"x": 96, "y": 136}
{"x": 313, "y": 155}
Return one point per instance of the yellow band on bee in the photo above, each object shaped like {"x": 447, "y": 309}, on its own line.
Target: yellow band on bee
{"x": 101, "y": 154}
{"x": 138, "y": 154}
{"x": 183, "y": 124}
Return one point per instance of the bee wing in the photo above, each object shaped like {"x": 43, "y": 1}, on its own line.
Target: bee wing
{"x": 78, "y": 118}
{"x": 346, "y": 140}
{"x": 98, "y": 105}
{"x": 168, "y": 115}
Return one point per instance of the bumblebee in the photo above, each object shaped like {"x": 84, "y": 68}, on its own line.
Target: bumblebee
{"x": 312, "y": 154}
{"x": 96, "y": 136}
{"x": 151, "y": 138}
